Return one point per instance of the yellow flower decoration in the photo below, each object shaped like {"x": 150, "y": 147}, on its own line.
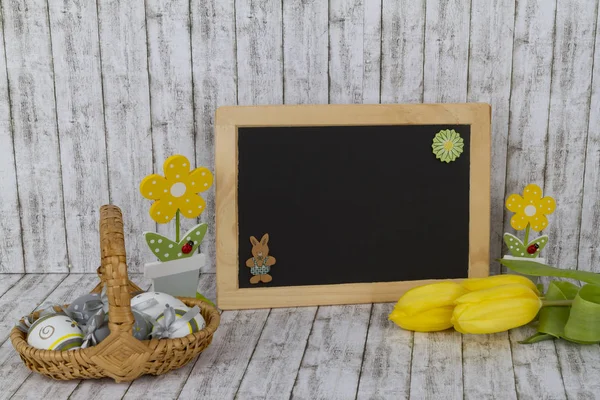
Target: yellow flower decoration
{"x": 531, "y": 209}
{"x": 177, "y": 190}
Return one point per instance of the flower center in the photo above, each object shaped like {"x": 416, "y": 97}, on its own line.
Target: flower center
{"x": 178, "y": 189}
{"x": 448, "y": 145}
{"x": 530, "y": 211}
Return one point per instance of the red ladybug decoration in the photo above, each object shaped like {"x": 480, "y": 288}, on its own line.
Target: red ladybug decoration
{"x": 533, "y": 248}
{"x": 187, "y": 248}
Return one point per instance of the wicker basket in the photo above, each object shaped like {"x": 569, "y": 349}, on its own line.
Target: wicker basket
{"x": 120, "y": 356}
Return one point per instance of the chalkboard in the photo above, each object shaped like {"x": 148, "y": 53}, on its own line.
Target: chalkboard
{"x": 355, "y": 205}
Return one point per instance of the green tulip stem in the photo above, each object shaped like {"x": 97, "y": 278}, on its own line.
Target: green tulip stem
{"x": 177, "y": 226}
{"x": 554, "y": 303}
{"x": 526, "y": 241}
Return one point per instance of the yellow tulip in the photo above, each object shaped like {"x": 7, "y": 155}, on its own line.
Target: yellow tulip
{"x": 495, "y": 309}
{"x": 427, "y": 308}
{"x": 473, "y": 284}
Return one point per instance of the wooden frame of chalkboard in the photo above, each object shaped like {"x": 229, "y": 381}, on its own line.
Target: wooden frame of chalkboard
{"x": 247, "y": 137}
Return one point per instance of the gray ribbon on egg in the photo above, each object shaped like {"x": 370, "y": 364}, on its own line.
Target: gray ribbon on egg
{"x": 89, "y": 329}
{"x": 25, "y": 323}
{"x": 170, "y": 324}
{"x": 144, "y": 305}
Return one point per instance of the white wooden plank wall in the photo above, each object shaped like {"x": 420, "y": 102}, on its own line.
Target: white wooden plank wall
{"x": 95, "y": 95}
{"x": 27, "y": 43}
{"x": 214, "y": 70}
{"x": 533, "y": 51}
{"x": 80, "y": 123}
{"x": 11, "y": 254}
{"x": 127, "y": 116}
{"x": 589, "y": 252}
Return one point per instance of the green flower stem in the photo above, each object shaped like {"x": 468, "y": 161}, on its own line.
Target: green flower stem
{"x": 526, "y": 241}
{"x": 177, "y": 226}
{"x": 554, "y": 303}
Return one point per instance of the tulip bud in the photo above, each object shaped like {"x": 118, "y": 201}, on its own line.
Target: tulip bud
{"x": 496, "y": 309}
{"x": 427, "y": 308}
{"x": 473, "y": 284}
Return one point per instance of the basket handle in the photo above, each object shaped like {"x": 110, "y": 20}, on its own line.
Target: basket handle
{"x": 114, "y": 269}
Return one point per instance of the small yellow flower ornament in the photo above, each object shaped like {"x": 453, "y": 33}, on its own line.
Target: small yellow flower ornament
{"x": 177, "y": 190}
{"x": 174, "y": 195}
{"x": 530, "y": 213}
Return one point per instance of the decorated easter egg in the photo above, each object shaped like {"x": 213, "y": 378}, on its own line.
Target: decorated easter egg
{"x": 82, "y": 313}
{"x": 101, "y": 333}
{"x": 154, "y": 303}
{"x": 55, "y": 332}
{"x": 194, "y": 325}
{"x": 142, "y": 328}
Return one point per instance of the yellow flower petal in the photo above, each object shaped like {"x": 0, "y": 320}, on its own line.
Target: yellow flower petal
{"x": 456, "y": 324}
{"x": 177, "y": 168}
{"x": 539, "y": 222}
{"x": 200, "y": 179}
{"x": 192, "y": 205}
{"x": 152, "y": 187}
{"x": 437, "y": 319}
{"x": 427, "y": 297}
{"x": 505, "y": 309}
{"x": 163, "y": 211}
{"x": 496, "y": 309}
{"x": 497, "y": 293}
{"x": 532, "y": 192}
{"x": 473, "y": 284}
{"x": 495, "y": 316}
{"x": 514, "y": 203}
{"x": 519, "y": 221}
{"x": 547, "y": 205}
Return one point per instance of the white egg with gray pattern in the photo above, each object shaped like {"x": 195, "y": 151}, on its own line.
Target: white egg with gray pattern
{"x": 55, "y": 332}
{"x": 196, "y": 324}
{"x": 144, "y": 303}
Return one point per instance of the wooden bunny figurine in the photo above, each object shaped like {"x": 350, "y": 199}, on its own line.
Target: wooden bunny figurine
{"x": 261, "y": 262}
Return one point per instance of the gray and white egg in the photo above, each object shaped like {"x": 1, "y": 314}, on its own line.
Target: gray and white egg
{"x": 142, "y": 328}
{"x": 55, "y": 332}
{"x": 77, "y": 307}
{"x": 161, "y": 301}
{"x": 196, "y": 324}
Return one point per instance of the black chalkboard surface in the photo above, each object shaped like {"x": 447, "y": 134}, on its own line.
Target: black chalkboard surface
{"x": 338, "y": 204}
{"x": 353, "y": 204}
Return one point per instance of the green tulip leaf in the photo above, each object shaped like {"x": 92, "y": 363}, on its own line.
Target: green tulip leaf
{"x": 583, "y": 325}
{"x": 536, "y": 269}
{"x": 167, "y": 250}
{"x": 540, "y": 287}
{"x": 554, "y": 318}
{"x": 538, "y": 337}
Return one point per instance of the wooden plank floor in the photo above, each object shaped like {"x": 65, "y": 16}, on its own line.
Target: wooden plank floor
{"x": 340, "y": 352}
